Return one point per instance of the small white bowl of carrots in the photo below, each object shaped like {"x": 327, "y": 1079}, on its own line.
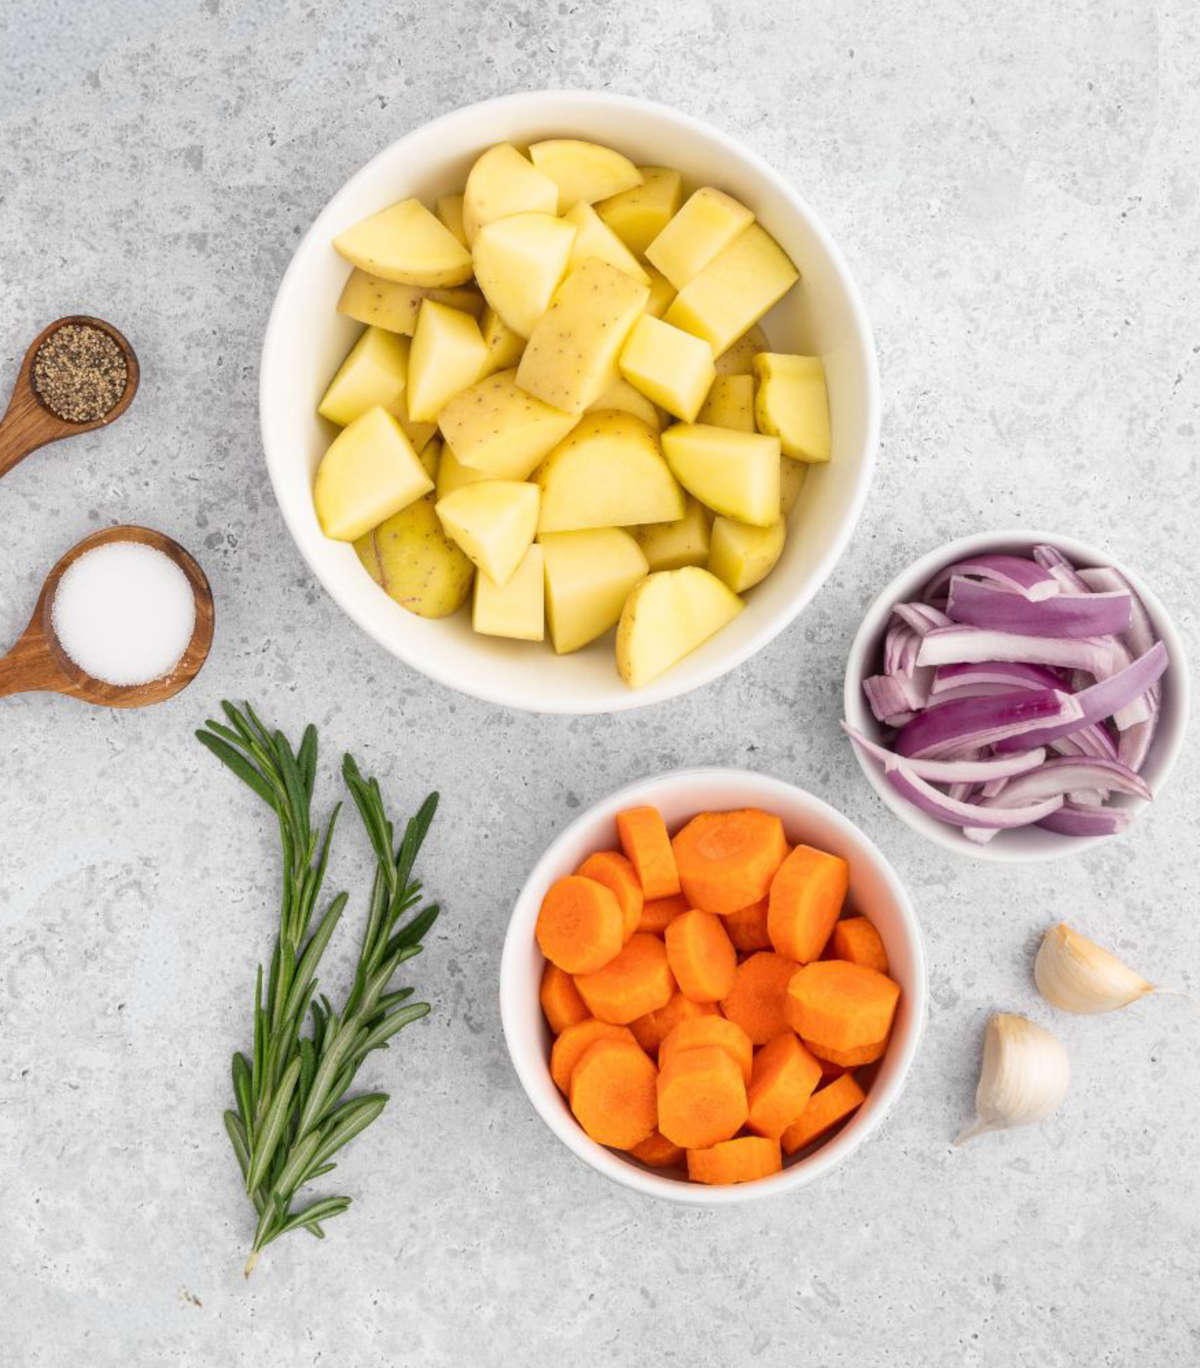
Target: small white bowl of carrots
{"x": 712, "y": 986}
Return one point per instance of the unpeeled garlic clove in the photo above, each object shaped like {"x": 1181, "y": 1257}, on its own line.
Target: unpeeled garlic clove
{"x": 1077, "y": 975}
{"x": 1024, "y": 1077}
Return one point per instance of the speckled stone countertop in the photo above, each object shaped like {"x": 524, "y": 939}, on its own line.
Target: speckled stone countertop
{"x": 1017, "y": 190}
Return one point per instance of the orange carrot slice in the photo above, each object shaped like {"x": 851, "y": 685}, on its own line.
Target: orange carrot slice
{"x": 645, "y": 841}
{"x": 784, "y": 1078}
{"x": 855, "y": 939}
{"x": 806, "y": 897}
{"x": 841, "y": 1006}
{"x": 701, "y": 1098}
{"x": 726, "y": 860}
{"x": 701, "y": 956}
{"x": 653, "y": 1028}
{"x": 579, "y": 925}
{"x": 826, "y": 1107}
{"x": 613, "y": 1093}
{"x": 747, "y": 927}
{"x": 657, "y": 1151}
{"x": 710, "y": 1030}
{"x": 658, "y": 913}
{"x": 637, "y": 981}
{"x": 848, "y": 1059}
{"x": 574, "y": 1043}
{"x": 560, "y": 999}
{"x": 735, "y": 1161}
{"x": 614, "y": 871}
{"x": 758, "y": 996}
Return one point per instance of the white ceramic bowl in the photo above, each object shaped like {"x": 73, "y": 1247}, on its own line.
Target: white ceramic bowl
{"x": 306, "y": 338}
{"x": 874, "y": 890}
{"x": 1024, "y": 843}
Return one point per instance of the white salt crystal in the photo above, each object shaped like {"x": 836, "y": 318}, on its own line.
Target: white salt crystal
{"x": 124, "y": 612}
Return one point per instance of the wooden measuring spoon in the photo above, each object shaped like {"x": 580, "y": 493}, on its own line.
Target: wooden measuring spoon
{"x": 38, "y": 661}
{"x": 29, "y": 424}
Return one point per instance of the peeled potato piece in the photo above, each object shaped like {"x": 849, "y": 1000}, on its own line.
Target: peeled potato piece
{"x": 494, "y": 522}
{"x": 594, "y": 238}
{"x": 708, "y": 222}
{"x": 447, "y": 355}
{"x": 405, "y": 242}
{"x": 793, "y": 404}
{"x": 668, "y": 615}
{"x": 622, "y": 395}
{"x": 519, "y": 262}
{"x": 414, "y": 562}
{"x": 391, "y": 305}
{"x": 588, "y": 578}
{"x": 369, "y": 472}
{"x": 738, "y": 357}
{"x": 672, "y": 545}
{"x": 741, "y": 555}
{"x": 669, "y": 366}
{"x": 375, "y": 371}
{"x": 734, "y": 290}
{"x": 734, "y": 473}
{"x": 503, "y": 182}
{"x": 608, "y": 472}
{"x": 515, "y": 609}
{"x": 584, "y": 171}
{"x": 730, "y": 403}
{"x": 449, "y": 209}
{"x": 638, "y": 215}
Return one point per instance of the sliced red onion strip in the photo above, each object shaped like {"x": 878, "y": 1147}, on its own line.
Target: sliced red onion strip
{"x": 960, "y": 645}
{"x": 1140, "y": 635}
{"x": 1008, "y": 674}
{"x": 1134, "y": 744}
{"x": 1087, "y": 797}
{"x": 1052, "y": 560}
{"x": 976, "y": 722}
{"x": 976, "y": 770}
{"x": 1065, "y": 615}
{"x": 1102, "y": 700}
{"x": 886, "y": 695}
{"x": 1017, "y": 574}
{"x": 1089, "y": 740}
{"x": 993, "y": 787}
{"x": 1070, "y": 820}
{"x": 946, "y": 809}
{"x": 921, "y": 617}
{"x": 1066, "y": 773}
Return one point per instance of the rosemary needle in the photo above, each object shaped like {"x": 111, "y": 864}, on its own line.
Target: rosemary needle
{"x": 291, "y": 1112}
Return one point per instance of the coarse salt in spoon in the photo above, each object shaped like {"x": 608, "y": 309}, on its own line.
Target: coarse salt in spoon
{"x": 124, "y": 619}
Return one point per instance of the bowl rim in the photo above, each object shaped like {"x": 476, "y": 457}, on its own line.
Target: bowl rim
{"x": 1164, "y": 749}
{"x": 478, "y": 684}
{"x": 880, "y": 1098}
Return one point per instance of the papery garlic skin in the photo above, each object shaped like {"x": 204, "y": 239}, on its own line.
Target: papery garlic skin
{"x": 1077, "y": 975}
{"x": 1024, "y": 1077}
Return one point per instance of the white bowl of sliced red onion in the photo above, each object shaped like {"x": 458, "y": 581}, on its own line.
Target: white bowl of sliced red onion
{"x": 1016, "y": 696}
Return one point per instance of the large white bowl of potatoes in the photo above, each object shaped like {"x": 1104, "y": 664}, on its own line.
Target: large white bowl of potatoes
{"x": 569, "y": 401}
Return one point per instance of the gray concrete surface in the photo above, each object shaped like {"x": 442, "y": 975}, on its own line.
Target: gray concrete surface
{"x": 1017, "y": 189}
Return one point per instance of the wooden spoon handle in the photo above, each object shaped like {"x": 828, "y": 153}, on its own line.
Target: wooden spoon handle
{"x": 29, "y": 667}
{"x": 26, "y": 427}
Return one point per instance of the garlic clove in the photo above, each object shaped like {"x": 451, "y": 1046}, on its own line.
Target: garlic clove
{"x": 1024, "y": 1077}
{"x": 1077, "y": 975}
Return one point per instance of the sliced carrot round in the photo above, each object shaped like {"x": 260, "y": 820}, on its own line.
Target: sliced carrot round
{"x": 614, "y": 871}
{"x": 575, "y": 1041}
{"x": 579, "y": 926}
{"x": 856, "y": 939}
{"x": 658, "y": 913}
{"x": 853, "y": 1058}
{"x": 747, "y": 927}
{"x": 710, "y": 1030}
{"x": 735, "y": 1161}
{"x": 657, "y": 1151}
{"x": 826, "y": 1107}
{"x": 785, "y": 1076}
{"x": 653, "y": 1028}
{"x": 701, "y": 956}
{"x": 701, "y": 1097}
{"x": 726, "y": 860}
{"x": 638, "y": 980}
{"x": 841, "y": 1006}
{"x": 756, "y": 1000}
{"x": 645, "y": 841}
{"x": 613, "y": 1093}
{"x": 806, "y": 899}
{"x": 560, "y": 999}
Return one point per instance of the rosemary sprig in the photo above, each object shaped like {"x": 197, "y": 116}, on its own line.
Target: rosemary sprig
{"x": 292, "y": 1113}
